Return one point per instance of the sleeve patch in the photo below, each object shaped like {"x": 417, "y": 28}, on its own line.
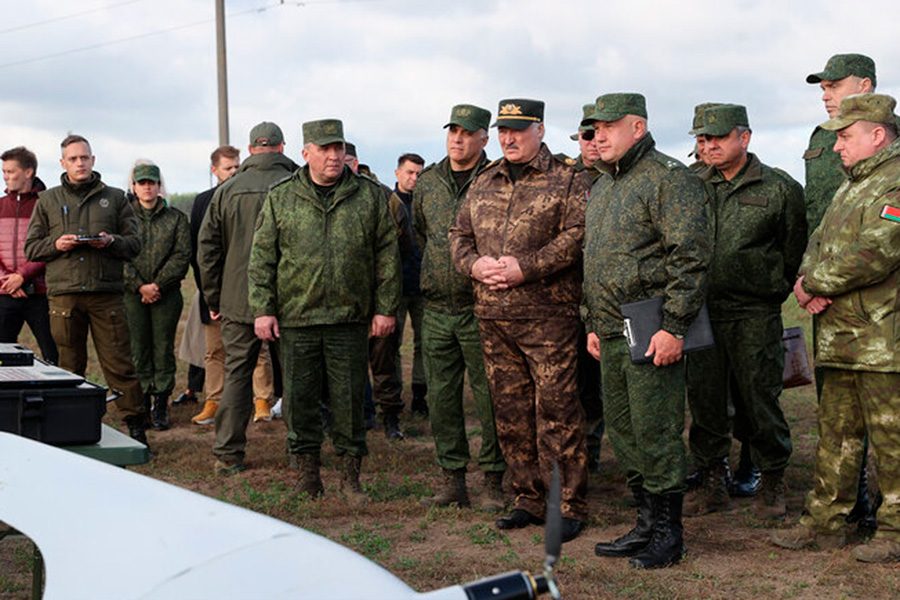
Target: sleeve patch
{"x": 890, "y": 213}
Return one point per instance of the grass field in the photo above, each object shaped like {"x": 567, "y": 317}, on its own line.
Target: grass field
{"x": 728, "y": 557}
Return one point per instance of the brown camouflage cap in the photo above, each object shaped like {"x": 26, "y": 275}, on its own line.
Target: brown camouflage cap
{"x": 612, "y": 107}
{"x": 145, "y": 173}
{"x": 698, "y": 117}
{"x": 266, "y": 134}
{"x": 519, "y": 113}
{"x": 323, "y": 132}
{"x": 844, "y": 65}
{"x": 875, "y": 108}
{"x": 721, "y": 119}
{"x": 469, "y": 117}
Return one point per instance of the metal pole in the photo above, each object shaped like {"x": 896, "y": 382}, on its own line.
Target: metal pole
{"x": 223, "y": 72}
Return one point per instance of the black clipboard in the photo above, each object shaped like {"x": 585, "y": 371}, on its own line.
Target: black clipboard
{"x": 644, "y": 318}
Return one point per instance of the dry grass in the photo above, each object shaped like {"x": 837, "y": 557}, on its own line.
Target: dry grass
{"x": 728, "y": 554}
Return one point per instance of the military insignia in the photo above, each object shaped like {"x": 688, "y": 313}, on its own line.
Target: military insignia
{"x": 331, "y": 128}
{"x": 601, "y": 105}
{"x": 890, "y": 213}
{"x": 570, "y": 161}
{"x": 510, "y": 109}
{"x": 463, "y": 112}
{"x": 711, "y": 118}
{"x": 104, "y": 203}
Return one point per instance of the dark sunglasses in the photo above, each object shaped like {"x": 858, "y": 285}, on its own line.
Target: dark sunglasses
{"x": 587, "y": 135}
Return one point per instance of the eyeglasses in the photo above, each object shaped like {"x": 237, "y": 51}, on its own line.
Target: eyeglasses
{"x": 587, "y": 135}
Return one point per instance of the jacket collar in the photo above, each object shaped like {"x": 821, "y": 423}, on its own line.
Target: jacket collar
{"x": 541, "y": 162}
{"x": 751, "y": 173}
{"x": 634, "y": 154}
{"x": 864, "y": 168}
{"x": 446, "y": 173}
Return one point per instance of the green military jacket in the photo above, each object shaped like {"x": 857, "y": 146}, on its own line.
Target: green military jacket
{"x": 85, "y": 209}
{"x": 165, "y": 248}
{"x": 226, "y": 234}
{"x": 646, "y": 236}
{"x": 317, "y": 265}
{"x": 540, "y": 221}
{"x": 759, "y": 224}
{"x": 853, "y": 257}
{"x": 824, "y": 175}
{"x": 436, "y": 202}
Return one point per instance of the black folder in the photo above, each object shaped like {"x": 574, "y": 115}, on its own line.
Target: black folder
{"x": 644, "y": 318}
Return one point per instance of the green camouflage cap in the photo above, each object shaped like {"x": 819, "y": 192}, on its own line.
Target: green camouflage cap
{"x": 844, "y": 65}
{"x": 612, "y": 107}
{"x": 586, "y": 111}
{"x": 323, "y": 132}
{"x": 469, "y": 117}
{"x": 350, "y": 149}
{"x": 519, "y": 113}
{"x": 721, "y": 119}
{"x": 266, "y": 134}
{"x": 145, "y": 173}
{"x": 875, "y": 108}
{"x": 698, "y": 117}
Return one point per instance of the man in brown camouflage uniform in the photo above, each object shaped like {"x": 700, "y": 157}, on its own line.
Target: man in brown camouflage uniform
{"x": 518, "y": 235}
{"x": 849, "y": 280}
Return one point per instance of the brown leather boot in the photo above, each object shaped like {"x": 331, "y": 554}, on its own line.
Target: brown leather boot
{"x": 711, "y": 496}
{"x": 451, "y": 490}
{"x": 350, "y": 486}
{"x": 493, "y": 500}
{"x": 310, "y": 481}
{"x": 770, "y": 503}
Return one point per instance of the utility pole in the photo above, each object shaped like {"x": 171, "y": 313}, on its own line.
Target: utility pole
{"x": 223, "y": 72}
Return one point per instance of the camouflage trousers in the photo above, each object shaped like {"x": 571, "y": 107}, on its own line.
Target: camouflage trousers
{"x": 855, "y": 403}
{"x": 450, "y": 347}
{"x": 531, "y": 369}
{"x": 152, "y": 328}
{"x": 746, "y": 366}
{"x": 643, "y": 406}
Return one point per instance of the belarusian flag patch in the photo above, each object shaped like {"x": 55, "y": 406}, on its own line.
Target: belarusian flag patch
{"x": 890, "y": 213}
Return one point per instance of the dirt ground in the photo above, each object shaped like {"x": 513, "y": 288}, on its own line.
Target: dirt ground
{"x": 728, "y": 556}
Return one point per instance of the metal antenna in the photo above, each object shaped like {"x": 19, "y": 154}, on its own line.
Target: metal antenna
{"x": 553, "y": 533}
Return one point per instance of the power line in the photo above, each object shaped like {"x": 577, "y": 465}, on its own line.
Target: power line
{"x": 67, "y": 17}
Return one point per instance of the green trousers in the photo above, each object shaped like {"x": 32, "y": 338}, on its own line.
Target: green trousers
{"x": 336, "y": 354}
{"x": 451, "y": 346}
{"x": 643, "y": 406}
{"x": 152, "y": 328}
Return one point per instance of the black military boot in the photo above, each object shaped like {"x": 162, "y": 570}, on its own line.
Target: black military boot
{"x": 148, "y": 403}
{"x": 137, "y": 428}
{"x": 747, "y": 479}
{"x": 392, "y": 426}
{"x": 161, "y": 412}
{"x": 419, "y": 405}
{"x": 666, "y": 546}
{"x": 637, "y": 539}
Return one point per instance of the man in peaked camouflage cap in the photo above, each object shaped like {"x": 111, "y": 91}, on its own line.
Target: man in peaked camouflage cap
{"x": 325, "y": 272}
{"x": 699, "y": 139}
{"x": 849, "y": 280}
{"x": 647, "y": 198}
{"x": 760, "y": 234}
{"x": 518, "y": 235}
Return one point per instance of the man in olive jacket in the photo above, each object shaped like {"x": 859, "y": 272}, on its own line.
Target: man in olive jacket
{"x": 759, "y": 224}
{"x": 84, "y": 231}
{"x": 849, "y": 280}
{"x": 324, "y": 271}
{"x": 223, "y": 252}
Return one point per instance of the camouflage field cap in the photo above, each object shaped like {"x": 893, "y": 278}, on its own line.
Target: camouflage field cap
{"x": 586, "y": 112}
{"x": 266, "y": 134}
{"x": 350, "y": 149}
{"x": 323, "y": 132}
{"x": 721, "y": 119}
{"x": 146, "y": 173}
{"x": 697, "y": 124}
{"x": 519, "y": 113}
{"x": 469, "y": 117}
{"x": 875, "y": 108}
{"x": 612, "y": 107}
{"x": 843, "y": 65}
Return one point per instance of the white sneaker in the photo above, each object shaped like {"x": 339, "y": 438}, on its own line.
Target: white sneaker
{"x": 276, "y": 410}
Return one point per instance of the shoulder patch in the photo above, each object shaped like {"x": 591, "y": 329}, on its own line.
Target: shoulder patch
{"x": 891, "y": 213}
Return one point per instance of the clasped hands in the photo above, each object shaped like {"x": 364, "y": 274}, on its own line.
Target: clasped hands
{"x": 498, "y": 273}
{"x": 813, "y": 304}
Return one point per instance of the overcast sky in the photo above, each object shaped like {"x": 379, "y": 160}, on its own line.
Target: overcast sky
{"x": 392, "y": 69}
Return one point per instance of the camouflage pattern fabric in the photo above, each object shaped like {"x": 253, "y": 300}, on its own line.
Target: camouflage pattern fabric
{"x": 530, "y": 366}
{"x": 165, "y": 248}
{"x": 853, "y": 403}
{"x": 643, "y": 406}
{"x": 853, "y": 257}
{"x": 647, "y": 235}
{"x": 315, "y": 266}
{"x": 824, "y": 175}
{"x": 451, "y": 346}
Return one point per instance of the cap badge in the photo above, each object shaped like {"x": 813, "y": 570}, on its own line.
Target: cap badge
{"x": 510, "y": 109}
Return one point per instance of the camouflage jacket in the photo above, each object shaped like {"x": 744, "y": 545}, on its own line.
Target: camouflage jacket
{"x": 315, "y": 266}
{"x": 646, "y": 236}
{"x": 85, "y": 209}
{"x": 854, "y": 259}
{"x": 165, "y": 248}
{"x": 226, "y": 233}
{"x": 824, "y": 175}
{"x": 759, "y": 227}
{"x": 540, "y": 221}
{"x": 436, "y": 202}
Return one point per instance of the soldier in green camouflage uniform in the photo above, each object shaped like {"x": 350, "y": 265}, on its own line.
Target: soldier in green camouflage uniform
{"x": 451, "y": 345}
{"x": 849, "y": 280}
{"x": 759, "y": 224}
{"x": 324, "y": 269}
{"x": 152, "y": 296}
{"x": 519, "y": 234}
{"x": 646, "y": 236}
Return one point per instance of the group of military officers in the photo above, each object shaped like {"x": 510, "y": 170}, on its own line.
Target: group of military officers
{"x": 529, "y": 257}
